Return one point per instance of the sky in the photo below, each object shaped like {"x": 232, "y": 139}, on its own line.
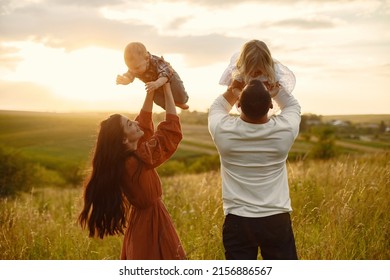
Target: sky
{"x": 64, "y": 55}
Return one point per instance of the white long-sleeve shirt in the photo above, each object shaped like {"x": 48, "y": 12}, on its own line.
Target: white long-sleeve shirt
{"x": 253, "y": 157}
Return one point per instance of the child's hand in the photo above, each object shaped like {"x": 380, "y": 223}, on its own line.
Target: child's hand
{"x": 273, "y": 89}
{"x": 123, "y": 80}
{"x": 151, "y": 86}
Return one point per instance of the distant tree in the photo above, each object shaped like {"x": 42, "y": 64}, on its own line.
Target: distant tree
{"x": 303, "y": 127}
{"x": 309, "y": 120}
{"x": 325, "y": 146}
{"x": 382, "y": 127}
{"x": 193, "y": 117}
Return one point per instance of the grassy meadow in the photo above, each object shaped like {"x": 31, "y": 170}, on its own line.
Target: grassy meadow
{"x": 341, "y": 205}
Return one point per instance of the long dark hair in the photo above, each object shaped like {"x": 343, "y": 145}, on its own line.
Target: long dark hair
{"x": 105, "y": 203}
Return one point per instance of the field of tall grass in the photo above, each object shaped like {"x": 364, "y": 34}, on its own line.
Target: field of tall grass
{"x": 341, "y": 211}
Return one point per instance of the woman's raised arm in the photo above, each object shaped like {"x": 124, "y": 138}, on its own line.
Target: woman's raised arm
{"x": 170, "y": 107}
{"x": 148, "y": 102}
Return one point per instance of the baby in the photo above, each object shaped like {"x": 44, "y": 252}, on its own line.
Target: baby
{"x": 154, "y": 71}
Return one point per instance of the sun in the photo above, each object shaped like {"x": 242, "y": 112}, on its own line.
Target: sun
{"x": 86, "y": 74}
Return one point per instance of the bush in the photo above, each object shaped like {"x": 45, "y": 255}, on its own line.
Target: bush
{"x": 73, "y": 174}
{"x": 16, "y": 173}
{"x": 325, "y": 147}
{"x": 205, "y": 164}
{"x": 171, "y": 167}
{"x": 199, "y": 165}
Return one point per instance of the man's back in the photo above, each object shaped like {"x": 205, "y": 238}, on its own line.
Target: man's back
{"x": 253, "y": 156}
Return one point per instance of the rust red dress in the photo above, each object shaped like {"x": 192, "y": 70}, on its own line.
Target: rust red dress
{"x": 151, "y": 234}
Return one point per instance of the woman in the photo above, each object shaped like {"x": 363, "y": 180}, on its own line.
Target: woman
{"x": 124, "y": 190}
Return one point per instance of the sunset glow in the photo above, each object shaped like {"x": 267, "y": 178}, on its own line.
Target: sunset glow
{"x": 65, "y": 56}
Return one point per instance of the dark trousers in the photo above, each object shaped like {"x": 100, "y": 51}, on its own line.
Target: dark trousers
{"x": 178, "y": 92}
{"x": 242, "y": 238}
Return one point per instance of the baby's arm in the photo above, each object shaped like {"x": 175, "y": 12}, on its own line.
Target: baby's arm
{"x": 165, "y": 72}
{"x": 124, "y": 79}
{"x": 151, "y": 86}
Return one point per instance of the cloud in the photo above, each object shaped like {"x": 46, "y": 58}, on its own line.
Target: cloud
{"x": 305, "y": 23}
{"x": 71, "y": 27}
{"x": 335, "y": 48}
{"x": 198, "y": 50}
{"x": 177, "y": 22}
{"x": 87, "y": 3}
{"x": 8, "y": 57}
{"x": 221, "y": 4}
{"x": 67, "y": 27}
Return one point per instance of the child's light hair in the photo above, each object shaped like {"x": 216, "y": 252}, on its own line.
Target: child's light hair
{"x": 255, "y": 56}
{"x": 133, "y": 51}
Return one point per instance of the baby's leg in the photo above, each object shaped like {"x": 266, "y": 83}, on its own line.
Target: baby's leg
{"x": 178, "y": 91}
{"x": 159, "y": 98}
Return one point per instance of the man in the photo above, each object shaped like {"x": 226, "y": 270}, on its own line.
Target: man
{"x": 253, "y": 149}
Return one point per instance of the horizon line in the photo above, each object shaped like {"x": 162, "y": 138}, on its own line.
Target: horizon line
{"x": 136, "y": 112}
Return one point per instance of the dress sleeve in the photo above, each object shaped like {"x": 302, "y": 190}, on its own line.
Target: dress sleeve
{"x": 226, "y": 78}
{"x": 163, "y": 143}
{"x": 286, "y": 79}
{"x": 145, "y": 122}
{"x": 285, "y": 76}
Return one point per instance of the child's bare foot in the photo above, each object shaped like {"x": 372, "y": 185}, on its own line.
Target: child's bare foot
{"x": 182, "y": 106}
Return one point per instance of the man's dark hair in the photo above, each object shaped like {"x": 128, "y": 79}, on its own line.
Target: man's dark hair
{"x": 255, "y": 100}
